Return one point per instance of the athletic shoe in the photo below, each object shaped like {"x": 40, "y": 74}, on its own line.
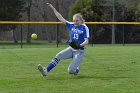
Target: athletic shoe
{"x": 42, "y": 70}
{"x": 77, "y": 71}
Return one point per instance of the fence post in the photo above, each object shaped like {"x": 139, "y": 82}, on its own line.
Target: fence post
{"x": 21, "y": 36}
{"x": 91, "y": 32}
{"x": 57, "y": 36}
{"x": 123, "y": 36}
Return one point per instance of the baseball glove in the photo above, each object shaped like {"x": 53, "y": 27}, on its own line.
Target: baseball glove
{"x": 74, "y": 44}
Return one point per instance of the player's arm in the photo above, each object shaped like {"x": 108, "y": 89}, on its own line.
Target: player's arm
{"x": 58, "y": 15}
{"x": 86, "y": 36}
{"x": 84, "y": 43}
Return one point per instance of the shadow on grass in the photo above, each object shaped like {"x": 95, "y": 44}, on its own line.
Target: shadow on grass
{"x": 101, "y": 77}
{"x": 85, "y": 77}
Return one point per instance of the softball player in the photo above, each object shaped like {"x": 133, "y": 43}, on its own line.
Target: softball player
{"x": 79, "y": 34}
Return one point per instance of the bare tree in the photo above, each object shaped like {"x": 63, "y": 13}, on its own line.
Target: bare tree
{"x": 43, "y": 11}
{"x": 29, "y": 5}
{"x": 37, "y": 10}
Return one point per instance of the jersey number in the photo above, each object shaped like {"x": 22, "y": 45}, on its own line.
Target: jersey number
{"x": 75, "y": 36}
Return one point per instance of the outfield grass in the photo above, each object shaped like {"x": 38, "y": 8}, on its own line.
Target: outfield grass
{"x": 105, "y": 69}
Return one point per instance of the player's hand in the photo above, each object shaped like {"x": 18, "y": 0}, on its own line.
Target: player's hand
{"x": 50, "y": 5}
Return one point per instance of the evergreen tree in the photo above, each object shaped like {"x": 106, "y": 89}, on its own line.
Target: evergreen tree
{"x": 10, "y": 10}
{"x": 87, "y": 8}
{"x": 102, "y": 10}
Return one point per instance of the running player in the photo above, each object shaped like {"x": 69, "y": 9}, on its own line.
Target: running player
{"x": 79, "y": 32}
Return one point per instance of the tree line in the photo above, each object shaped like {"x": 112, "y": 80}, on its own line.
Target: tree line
{"x": 92, "y": 10}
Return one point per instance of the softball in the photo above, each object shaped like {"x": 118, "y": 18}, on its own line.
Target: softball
{"x": 34, "y": 36}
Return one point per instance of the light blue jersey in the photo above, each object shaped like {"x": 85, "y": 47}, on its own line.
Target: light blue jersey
{"x": 78, "y": 33}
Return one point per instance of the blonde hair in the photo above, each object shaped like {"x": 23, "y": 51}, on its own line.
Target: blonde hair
{"x": 79, "y": 16}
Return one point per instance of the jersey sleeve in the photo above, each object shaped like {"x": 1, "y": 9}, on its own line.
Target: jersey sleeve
{"x": 68, "y": 24}
{"x": 86, "y": 34}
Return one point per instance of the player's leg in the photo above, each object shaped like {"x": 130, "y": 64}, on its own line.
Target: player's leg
{"x": 64, "y": 54}
{"x": 77, "y": 59}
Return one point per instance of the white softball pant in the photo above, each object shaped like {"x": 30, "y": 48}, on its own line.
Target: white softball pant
{"x": 76, "y": 55}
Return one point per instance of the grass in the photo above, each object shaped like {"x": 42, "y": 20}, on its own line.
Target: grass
{"x": 105, "y": 69}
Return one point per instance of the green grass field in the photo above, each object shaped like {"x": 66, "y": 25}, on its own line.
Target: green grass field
{"x": 105, "y": 69}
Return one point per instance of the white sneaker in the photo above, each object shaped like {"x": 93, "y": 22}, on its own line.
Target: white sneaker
{"x": 42, "y": 70}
